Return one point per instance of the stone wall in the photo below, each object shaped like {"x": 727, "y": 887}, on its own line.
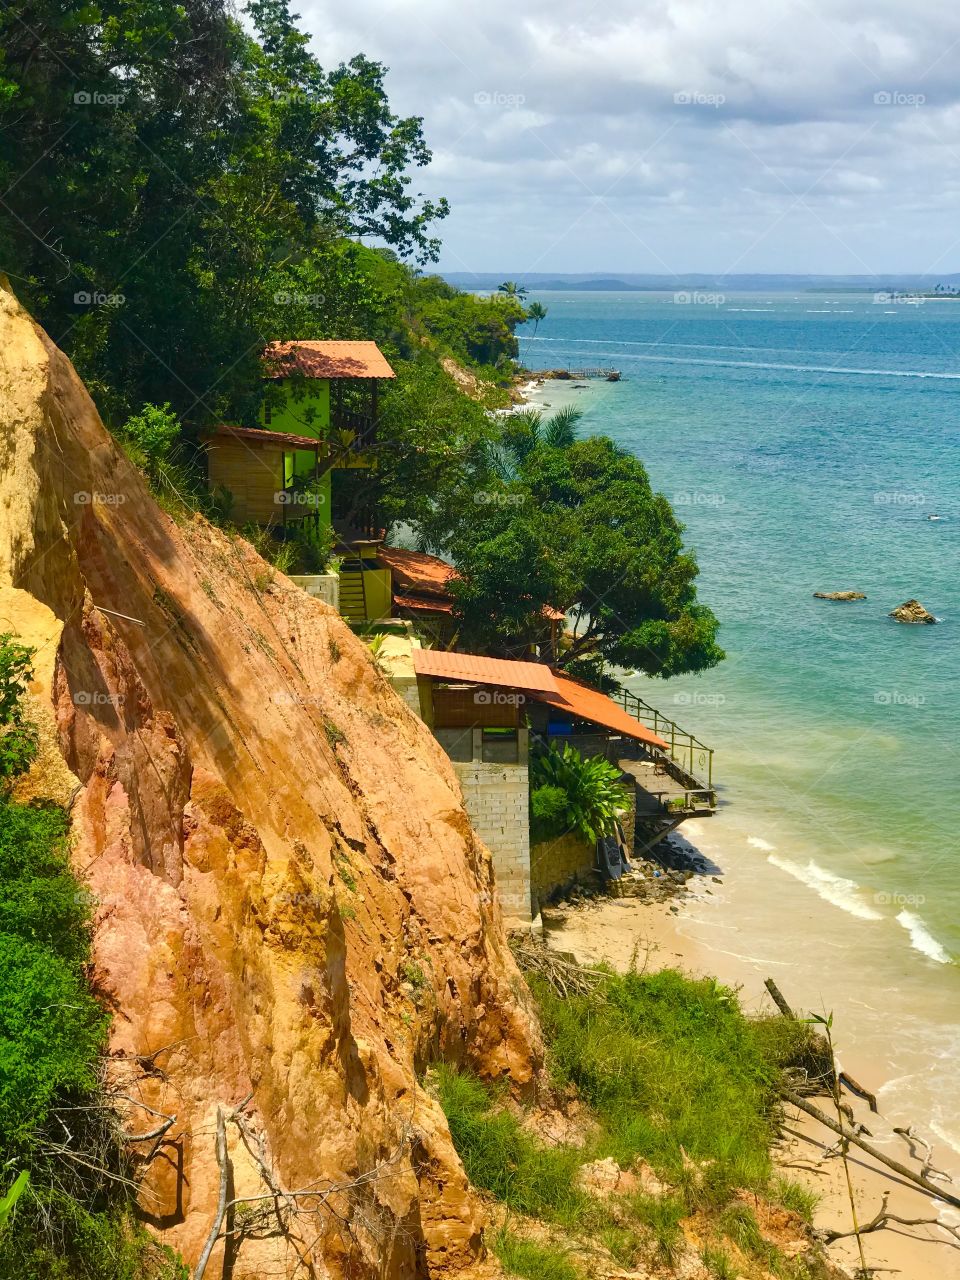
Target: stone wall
{"x": 557, "y": 862}
{"x": 496, "y": 798}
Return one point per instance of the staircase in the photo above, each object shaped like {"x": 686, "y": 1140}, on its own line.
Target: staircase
{"x": 353, "y": 594}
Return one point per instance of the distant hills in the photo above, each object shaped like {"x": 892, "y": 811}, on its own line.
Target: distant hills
{"x": 541, "y": 282}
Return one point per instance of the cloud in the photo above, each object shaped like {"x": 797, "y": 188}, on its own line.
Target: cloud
{"x": 676, "y": 134}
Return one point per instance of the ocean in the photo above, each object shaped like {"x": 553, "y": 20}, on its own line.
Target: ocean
{"x": 806, "y": 440}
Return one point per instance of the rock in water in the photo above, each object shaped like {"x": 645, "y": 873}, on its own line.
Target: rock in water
{"x": 912, "y": 611}
{"x": 839, "y": 595}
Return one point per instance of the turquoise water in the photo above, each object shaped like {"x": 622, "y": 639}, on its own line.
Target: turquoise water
{"x": 805, "y": 441}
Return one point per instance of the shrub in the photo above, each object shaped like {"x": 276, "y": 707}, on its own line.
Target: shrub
{"x": 151, "y": 437}
{"x": 18, "y": 737}
{"x": 591, "y": 787}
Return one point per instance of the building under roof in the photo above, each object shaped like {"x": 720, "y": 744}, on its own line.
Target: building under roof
{"x": 540, "y": 683}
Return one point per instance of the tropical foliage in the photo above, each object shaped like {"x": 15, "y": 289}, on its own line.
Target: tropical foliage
{"x": 570, "y": 793}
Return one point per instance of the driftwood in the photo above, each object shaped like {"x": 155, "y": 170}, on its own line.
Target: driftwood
{"x": 884, "y": 1218}
{"x": 855, "y": 1087}
{"x": 563, "y": 973}
{"x": 851, "y": 1135}
{"x": 778, "y": 1000}
{"x": 928, "y": 1169}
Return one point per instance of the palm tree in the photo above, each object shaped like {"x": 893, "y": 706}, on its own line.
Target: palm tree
{"x": 512, "y": 289}
{"x": 526, "y": 431}
{"x": 536, "y": 312}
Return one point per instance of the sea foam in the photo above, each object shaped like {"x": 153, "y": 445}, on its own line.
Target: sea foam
{"x": 837, "y": 890}
{"x": 922, "y": 940}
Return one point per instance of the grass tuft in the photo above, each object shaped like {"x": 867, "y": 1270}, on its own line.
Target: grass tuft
{"x": 532, "y": 1260}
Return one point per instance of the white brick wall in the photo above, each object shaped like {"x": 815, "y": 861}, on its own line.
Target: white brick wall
{"x": 496, "y": 799}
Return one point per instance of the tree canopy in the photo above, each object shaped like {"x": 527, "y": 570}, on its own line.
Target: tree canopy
{"x": 578, "y": 527}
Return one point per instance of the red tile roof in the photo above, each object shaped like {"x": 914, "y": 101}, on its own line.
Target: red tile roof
{"x": 534, "y": 677}
{"x": 326, "y": 360}
{"x": 415, "y": 571}
{"x": 588, "y": 704}
{"x": 279, "y": 439}
{"x": 545, "y": 684}
{"x": 426, "y": 604}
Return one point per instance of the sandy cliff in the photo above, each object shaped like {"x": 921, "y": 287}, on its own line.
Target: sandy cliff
{"x": 290, "y": 905}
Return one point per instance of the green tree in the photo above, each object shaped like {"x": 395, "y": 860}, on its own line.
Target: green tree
{"x": 580, "y": 528}
{"x": 536, "y": 312}
{"x": 512, "y": 289}
{"x": 169, "y": 174}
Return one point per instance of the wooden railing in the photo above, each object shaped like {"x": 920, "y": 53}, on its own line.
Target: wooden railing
{"x": 362, "y": 425}
{"x": 692, "y": 760}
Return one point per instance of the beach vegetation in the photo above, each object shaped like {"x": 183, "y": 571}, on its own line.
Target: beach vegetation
{"x": 532, "y": 1259}
{"x": 675, "y": 1078}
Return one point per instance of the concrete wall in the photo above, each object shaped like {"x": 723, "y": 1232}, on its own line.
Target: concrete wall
{"x": 496, "y": 798}
{"x": 322, "y": 586}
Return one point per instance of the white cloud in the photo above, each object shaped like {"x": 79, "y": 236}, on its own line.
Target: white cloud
{"x": 560, "y": 139}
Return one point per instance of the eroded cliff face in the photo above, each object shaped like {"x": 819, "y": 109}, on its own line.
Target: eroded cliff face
{"x": 292, "y": 913}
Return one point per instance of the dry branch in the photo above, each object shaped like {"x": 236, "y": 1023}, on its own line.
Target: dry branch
{"x": 884, "y": 1218}
{"x": 852, "y": 1136}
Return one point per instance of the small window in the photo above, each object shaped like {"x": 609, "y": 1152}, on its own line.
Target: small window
{"x": 267, "y": 413}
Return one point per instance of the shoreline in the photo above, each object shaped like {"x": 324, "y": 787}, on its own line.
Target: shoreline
{"x": 710, "y": 931}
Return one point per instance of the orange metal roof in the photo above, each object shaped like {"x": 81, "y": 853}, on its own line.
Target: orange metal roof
{"x": 588, "y": 704}
{"x": 532, "y": 676}
{"x": 418, "y": 572}
{"x": 326, "y": 360}
{"x": 426, "y": 604}
{"x": 279, "y": 439}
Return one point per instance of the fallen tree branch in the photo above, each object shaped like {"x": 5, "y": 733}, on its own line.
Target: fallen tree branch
{"x": 928, "y": 1169}
{"x": 884, "y": 1218}
{"x": 855, "y": 1087}
{"x": 224, "y": 1164}
{"x": 852, "y": 1136}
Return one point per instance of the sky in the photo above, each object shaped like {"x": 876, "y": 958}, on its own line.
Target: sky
{"x": 676, "y": 135}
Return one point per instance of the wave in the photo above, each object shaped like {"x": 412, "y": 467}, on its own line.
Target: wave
{"x": 789, "y": 368}
{"x": 837, "y": 890}
{"x": 758, "y": 843}
{"x": 921, "y": 939}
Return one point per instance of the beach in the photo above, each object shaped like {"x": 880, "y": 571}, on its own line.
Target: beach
{"x": 756, "y": 924}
